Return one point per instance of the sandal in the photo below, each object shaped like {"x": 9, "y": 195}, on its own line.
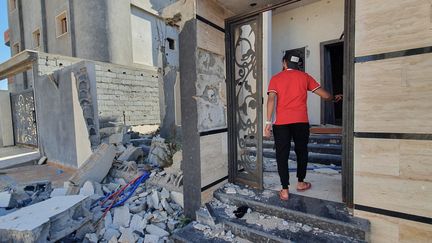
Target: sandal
{"x": 283, "y": 198}
{"x": 308, "y": 186}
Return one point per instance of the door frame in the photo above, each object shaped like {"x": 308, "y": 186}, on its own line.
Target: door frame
{"x": 348, "y": 91}
{"x": 234, "y": 174}
{"x": 323, "y": 46}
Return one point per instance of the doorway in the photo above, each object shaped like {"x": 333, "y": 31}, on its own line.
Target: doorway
{"x": 342, "y": 52}
{"x": 332, "y": 66}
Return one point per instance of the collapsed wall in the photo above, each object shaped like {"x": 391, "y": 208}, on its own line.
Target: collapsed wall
{"x": 81, "y": 103}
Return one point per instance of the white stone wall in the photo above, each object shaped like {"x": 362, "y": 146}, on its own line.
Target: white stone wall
{"x": 307, "y": 26}
{"x": 127, "y": 93}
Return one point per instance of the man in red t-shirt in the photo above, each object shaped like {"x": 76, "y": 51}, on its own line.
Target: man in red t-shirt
{"x": 289, "y": 90}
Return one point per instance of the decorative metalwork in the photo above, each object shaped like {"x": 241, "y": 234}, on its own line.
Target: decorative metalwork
{"x": 24, "y": 118}
{"x": 247, "y": 84}
{"x": 86, "y": 102}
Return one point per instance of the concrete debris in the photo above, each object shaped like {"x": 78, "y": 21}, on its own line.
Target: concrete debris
{"x": 154, "y": 230}
{"x": 151, "y": 239}
{"x": 42, "y": 160}
{"x": 113, "y": 240}
{"x": 177, "y": 197}
{"x": 203, "y": 216}
{"x": 52, "y": 219}
{"x": 92, "y": 238}
{"x": 146, "y": 212}
{"x": 138, "y": 223}
{"x": 201, "y": 227}
{"x": 132, "y": 154}
{"x": 95, "y": 168}
{"x": 5, "y": 199}
{"x": 160, "y": 154}
{"x": 230, "y": 190}
{"x": 127, "y": 170}
{"x": 111, "y": 233}
{"x": 87, "y": 189}
{"x": 108, "y": 220}
{"x": 121, "y": 216}
{"x": 58, "y": 192}
{"x": 306, "y": 228}
{"x": 127, "y": 236}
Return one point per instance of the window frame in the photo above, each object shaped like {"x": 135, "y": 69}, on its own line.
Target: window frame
{"x": 36, "y": 31}
{"x": 59, "y": 24}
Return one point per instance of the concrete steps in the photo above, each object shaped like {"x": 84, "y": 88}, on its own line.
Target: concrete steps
{"x": 258, "y": 233}
{"x": 323, "y": 149}
{"x": 300, "y": 219}
{"x": 325, "y": 215}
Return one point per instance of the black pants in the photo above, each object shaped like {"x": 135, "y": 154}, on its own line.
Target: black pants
{"x": 299, "y": 132}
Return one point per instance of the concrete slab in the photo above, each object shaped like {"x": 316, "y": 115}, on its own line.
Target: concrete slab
{"x": 50, "y": 221}
{"x": 96, "y": 167}
{"x": 26, "y": 174}
{"x": 16, "y": 156}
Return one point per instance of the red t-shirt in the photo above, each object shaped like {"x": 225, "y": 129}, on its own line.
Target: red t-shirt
{"x": 291, "y": 87}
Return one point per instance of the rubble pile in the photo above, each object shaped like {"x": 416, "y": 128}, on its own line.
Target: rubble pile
{"x": 133, "y": 195}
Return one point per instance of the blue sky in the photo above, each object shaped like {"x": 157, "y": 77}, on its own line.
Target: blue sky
{"x": 4, "y": 50}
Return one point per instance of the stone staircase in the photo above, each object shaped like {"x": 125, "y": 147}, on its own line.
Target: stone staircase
{"x": 300, "y": 219}
{"x": 324, "y": 149}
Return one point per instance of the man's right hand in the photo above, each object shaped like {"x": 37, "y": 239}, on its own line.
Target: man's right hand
{"x": 267, "y": 131}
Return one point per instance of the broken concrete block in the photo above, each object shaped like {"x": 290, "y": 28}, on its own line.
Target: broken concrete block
{"x": 159, "y": 153}
{"x": 92, "y": 238}
{"x": 42, "y": 160}
{"x": 58, "y": 192}
{"x": 200, "y": 227}
{"x": 151, "y": 239}
{"x": 113, "y": 240}
{"x": 138, "y": 223}
{"x": 108, "y": 221}
{"x": 167, "y": 206}
{"x": 165, "y": 193}
{"x": 132, "y": 154}
{"x": 95, "y": 168}
{"x": 203, "y": 216}
{"x": 111, "y": 233}
{"x": 52, "y": 219}
{"x": 5, "y": 199}
{"x": 127, "y": 236}
{"x": 177, "y": 160}
{"x": 177, "y": 197}
{"x": 230, "y": 190}
{"x": 121, "y": 216}
{"x": 154, "y": 230}
{"x": 155, "y": 199}
{"x": 116, "y": 138}
{"x": 87, "y": 189}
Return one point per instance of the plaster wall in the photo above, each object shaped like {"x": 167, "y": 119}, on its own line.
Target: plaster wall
{"x": 307, "y": 26}
{"x": 58, "y": 44}
{"x": 6, "y": 128}
{"x": 62, "y": 137}
{"x": 91, "y": 35}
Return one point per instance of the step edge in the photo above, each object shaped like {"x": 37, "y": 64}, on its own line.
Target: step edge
{"x": 226, "y": 220}
{"x": 348, "y": 225}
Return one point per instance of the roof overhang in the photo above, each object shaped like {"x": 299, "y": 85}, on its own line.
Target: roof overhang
{"x": 19, "y": 63}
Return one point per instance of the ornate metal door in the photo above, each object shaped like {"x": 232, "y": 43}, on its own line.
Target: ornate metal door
{"x": 244, "y": 84}
{"x": 24, "y": 118}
